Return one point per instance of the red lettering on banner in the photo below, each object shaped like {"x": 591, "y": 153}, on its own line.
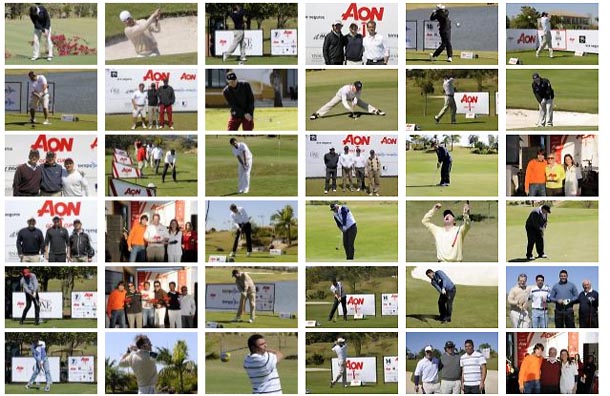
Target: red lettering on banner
{"x": 60, "y": 209}
{"x": 94, "y": 144}
{"x": 187, "y": 76}
{"x": 351, "y": 365}
{"x": 355, "y": 301}
{"x": 357, "y": 140}
{"x": 526, "y": 38}
{"x": 53, "y": 144}
{"x": 126, "y": 171}
{"x": 133, "y": 192}
{"x": 469, "y": 99}
{"x": 155, "y": 76}
{"x": 363, "y": 13}
{"x": 389, "y": 140}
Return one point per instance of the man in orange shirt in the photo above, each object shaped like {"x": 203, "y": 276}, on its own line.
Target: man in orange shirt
{"x": 115, "y": 308}
{"x": 535, "y": 176}
{"x": 135, "y": 241}
{"x": 529, "y": 373}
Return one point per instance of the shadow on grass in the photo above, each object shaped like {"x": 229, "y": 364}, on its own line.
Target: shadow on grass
{"x": 423, "y": 185}
{"x": 349, "y": 115}
{"x": 519, "y": 260}
{"x": 425, "y": 317}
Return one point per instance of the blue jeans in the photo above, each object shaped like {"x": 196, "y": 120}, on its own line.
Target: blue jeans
{"x": 118, "y": 317}
{"x": 540, "y": 318}
{"x": 138, "y": 253}
{"x": 148, "y": 317}
{"x": 537, "y": 190}
{"x": 532, "y": 387}
{"x": 47, "y": 372}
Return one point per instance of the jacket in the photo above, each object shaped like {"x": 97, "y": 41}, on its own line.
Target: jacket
{"x": 332, "y": 49}
{"x": 80, "y": 245}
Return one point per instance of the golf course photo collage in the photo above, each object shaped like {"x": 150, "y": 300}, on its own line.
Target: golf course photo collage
{"x": 368, "y": 198}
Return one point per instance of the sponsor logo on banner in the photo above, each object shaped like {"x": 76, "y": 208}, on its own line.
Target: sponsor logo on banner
{"x": 81, "y": 369}
{"x": 472, "y": 102}
{"x": 389, "y": 304}
{"x": 284, "y": 42}
{"x": 358, "y": 369}
{"x": 252, "y": 38}
{"x": 411, "y": 35}
{"x": 121, "y": 171}
{"x": 390, "y": 369}
{"x": 122, "y": 188}
{"x": 84, "y": 305}
{"x": 22, "y": 369}
{"x": 225, "y": 297}
{"x": 432, "y": 39}
{"x": 363, "y": 304}
{"x": 50, "y": 305}
{"x": 12, "y": 96}
{"x": 60, "y": 209}
{"x": 122, "y": 159}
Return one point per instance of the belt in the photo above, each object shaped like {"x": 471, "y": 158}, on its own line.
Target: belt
{"x": 375, "y": 61}
{"x": 140, "y": 105}
{"x": 451, "y": 96}
{"x": 155, "y": 243}
{"x": 540, "y": 309}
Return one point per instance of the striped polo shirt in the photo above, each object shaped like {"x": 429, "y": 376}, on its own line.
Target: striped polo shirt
{"x": 263, "y": 373}
{"x": 471, "y": 368}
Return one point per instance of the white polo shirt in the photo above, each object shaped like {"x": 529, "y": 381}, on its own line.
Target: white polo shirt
{"x": 38, "y": 86}
{"x": 139, "y": 98}
{"x": 374, "y": 47}
{"x": 341, "y": 351}
{"x": 242, "y": 150}
{"x": 427, "y": 370}
{"x": 262, "y": 371}
{"x": 241, "y": 217}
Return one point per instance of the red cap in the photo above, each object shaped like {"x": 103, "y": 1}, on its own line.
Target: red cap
{"x": 26, "y": 272}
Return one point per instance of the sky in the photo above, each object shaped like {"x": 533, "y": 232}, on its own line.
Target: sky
{"x": 417, "y": 341}
{"x": 513, "y": 9}
{"x": 463, "y": 137}
{"x": 219, "y": 215}
{"x": 117, "y": 343}
{"x": 551, "y": 275}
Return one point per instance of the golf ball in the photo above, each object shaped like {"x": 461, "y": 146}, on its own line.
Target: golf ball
{"x": 458, "y": 24}
{"x": 225, "y": 357}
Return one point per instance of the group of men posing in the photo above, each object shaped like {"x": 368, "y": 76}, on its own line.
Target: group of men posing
{"x": 363, "y": 167}
{"x": 354, "y": 49}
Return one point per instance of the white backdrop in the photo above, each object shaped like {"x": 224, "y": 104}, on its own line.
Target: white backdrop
{"x": 84, "y": 305}
{"x": 81, "y": 369}
{"x": 359, "y": 304}
{"x": 358, "y": 368}
{"x": 51, "y": 305}
{"x": 22, "y": 369}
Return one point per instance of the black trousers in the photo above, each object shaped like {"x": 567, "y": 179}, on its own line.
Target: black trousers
{"x": 473, "y": 390}
{"x": 349, "y": 237}
{"x": 57, "y": 258}
{"x": 445, "y": 43}
{"x": 360, "y": 178}
{"x": 165, "y": 168}
{"x": 157, "y": 163}
{"x": 446, "y": 172}
{"x": 534, "y": 237}
{"x": 246, "y": 228}
{"x": 331, "y": 175}
{"x": 587, "y": 319}
{"x": 29, "y": 299}
{"x": 564, "y": 318}
{"x": 445, "y": 303}
{"x": 343, "y": 302}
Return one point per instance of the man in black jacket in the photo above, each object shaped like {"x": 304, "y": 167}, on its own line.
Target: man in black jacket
{"x": 30, "y": 243}
{"x": 153, "y": 106}
{"x": 354, "y": 48}
{"x": 239, "y": 97}
{"x": 42, "y": 28}
{"x": 333, "y": 47}
{"x": 167, "y": 98}
{"x": 544, "y": 95}
{"x": 81, "y": 250}
{"x": 331, "y": 160}
{"x": 57, "y": 242}
{"x": 441, "y": 15}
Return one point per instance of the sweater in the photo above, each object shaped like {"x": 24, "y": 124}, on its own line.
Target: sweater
{"x": 26, "y": 182}
{"x": 530, "y": 369}
{"x": 535, "y": 173}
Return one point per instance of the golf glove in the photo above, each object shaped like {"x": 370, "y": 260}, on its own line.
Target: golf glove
{"x": 566, "y": 302}
{"x": 443, "y": 291}
{"x": 591, "y": 299}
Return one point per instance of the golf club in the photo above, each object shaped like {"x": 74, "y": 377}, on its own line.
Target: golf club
{"x": 234, "y": 349}
{"x": 435, "y": 176}
{"x": 340, "y": 241}
{"x": 460, "y": 226}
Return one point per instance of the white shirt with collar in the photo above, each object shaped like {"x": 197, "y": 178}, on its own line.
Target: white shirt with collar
{"x": 375, "y": 47}
{"x": 427, "y": 370}
{"x": 241, "y": 217}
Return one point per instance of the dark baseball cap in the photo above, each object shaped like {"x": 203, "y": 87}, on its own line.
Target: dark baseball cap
{"x": 332, "y": 149}
{"x": 234, "y": 273}
{"x": 547, "y": 208}
{"x": 535, "y": 76}
{"x": 346, "y": 148}
{"x": 448, "y": 211}
{"x": 449, "y": 344}
{"x": 56, "y": 218}
{"x": 32, "y": 219}
{"x": 333, "y": 206}
{"x": 34, "y": 153}
{"x": 358, "y": 149}
{"x": 50, "y": 154}
{"x": 231, "y": 76}
{"x": 358, "y": 85}
{"x": 76, "y": 221}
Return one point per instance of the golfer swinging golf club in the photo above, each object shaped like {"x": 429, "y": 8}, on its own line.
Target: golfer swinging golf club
{"x": 449, "y": 239}
{"x": 39, "y": 354}
{"x": 261, "y": 366}
{"x": 347, "y": 224}
{"x": 142, "y": 361}
{"x": 340, "y": 348}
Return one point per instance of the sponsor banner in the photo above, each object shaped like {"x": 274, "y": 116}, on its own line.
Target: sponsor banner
{"x": 51, "y": 305}
{"x": 122, "y": 159}
{"x": 358, "y": 369}
{"x": 17, "y": 212}
{"x": 521, "y": 39}
{"x": 583, "y": 40}
{"x": 12, "y": 96}
{"x": 563, "y": 40}
{"x": 80, "y": 148}
{"x": 22, "y": 369}
{"x": 284, "y": 42}
{"x": 389, "y": 304}
{"x": 180, "y": 210}
{"x": 226, "y": 296}
{"x": 121, "y": 84}
{"x": 84, "y": 305}
{"x": 385, "y": 146}
{"x": 472, "y": 102}
{"x": 359, "y": 304}
{"x": 121, "y": 152}
{"x": 253, "y": 39}
{"x": 121, "y": 188}
{"x": 411, "y": 34}
{"x": 320, "y": 17}
{"x": 558, "y": 39}
{"x": 390, "y": 369}
{"x": 81, "y": 369}
{"x": 122, "y": 171}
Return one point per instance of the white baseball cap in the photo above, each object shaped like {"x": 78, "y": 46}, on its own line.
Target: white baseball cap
{"x": 340, "y": 339}
{"x": 440, "y": 7}
{"x": 428, "y": 348}
{"x": 124, "y": 16}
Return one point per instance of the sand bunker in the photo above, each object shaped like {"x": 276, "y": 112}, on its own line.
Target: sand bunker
{"x": 461, "y": 275}
{"x": 519, "y": 118}
{"x": 177, "y": 36}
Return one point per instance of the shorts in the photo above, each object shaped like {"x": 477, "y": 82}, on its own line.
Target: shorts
{"x": 35, "y": 101}
{"x": 139, "y": 111}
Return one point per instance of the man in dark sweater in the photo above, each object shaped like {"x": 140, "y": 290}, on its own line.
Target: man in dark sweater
{"x": 441, "y": 15}
{"x": 30, "y": 243}
{"x": 51, "y": 183}
{"x": 544, "y": 93}
{"x": 237, "y": 15}
{"x": 153, "y": 106}
{"x": 534, "y": 227}
{"x": 133, "y": 306}
{"x": 354, "y": 49}
{"x": 239, "y": 97}
{"x": 331, "y": 161}
{"x": 550, "y": 372}
{"x": 26, "y": 182}
{"x": 588, "y": 303}
{"x": 173, "y": 307}
{"x": 81, "y": 250}
{"x": 167, "y": 98}
{"x": 334, "y": 43}
{"x": 444, "y": 162}
{"x": 42, "y": 28}
{"x": 57, "y": 242}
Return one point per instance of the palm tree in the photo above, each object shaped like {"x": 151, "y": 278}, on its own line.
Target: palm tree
{"x": 176, "y": 364}
{"x": 116, "y": 380}
{"x": 283, "y": 220}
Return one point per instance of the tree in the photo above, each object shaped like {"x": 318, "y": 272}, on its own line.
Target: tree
{"x": 284, "y": 12}
{"x": 283, "y": 220}
{"x": 117, "y": 381}
{"x": 527, "y": 19}
{"x": 177, "y": 367}
{"x": 358, "y": 340}
{"x": 492, "y": 141}
{"x": 473, "y": 139}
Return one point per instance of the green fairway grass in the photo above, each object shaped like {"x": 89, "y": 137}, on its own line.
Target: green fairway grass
{"x": 186, "y": 173}
{"x": 21, "y": 122}
{"x": 379, "y": 89}
{"x": 472, "y": 175}
{"x": 224, "y": 240}
{"x": 426, "y": 6}
{"x": 264, "y": 320}
{"x": 122, "y": 122}
{"x": 474, "y": 306}
{"x": 223, "y": 274}
{"x": 114, "y": 26}
{"x": 265, "y": 119}
{"x": 559, "y": 58}
{"x": 576, "y": 92}
{"x": 56, "y": 389}
{"x": 315, "y": 187}
{"x": 571, "y": 234}
{"x": 559, "y": 128}
{"x": 418, "y": 113}
{"x": 274, "y": 167}
{"x": 18, "y": 34}
{"x": 423, "y": 58}
{"x": 231, "y": 378}
{"x": 377, "y": 238}
{"x": 480, "y": 243}
{"x": 175, "y": 59}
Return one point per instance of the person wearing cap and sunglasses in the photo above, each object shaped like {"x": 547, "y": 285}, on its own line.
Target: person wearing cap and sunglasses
{"x": 81, "y": 250}
{"x": 28, "y": 176}
{"x": 347, "y": 224}
{"x": 140, "y": 32}
{"x": 30, "y": 243}
{"x": 535, "y": 225}
{"x": 349, "y": 95}
{"x": 449, "y": 239}
{"x": 57, "y": 242}
{"x": 333, "y": 48}
{"x": 451, "y": 374}
{"x": 426, "y": 372}
{"x": 544, "y": 93}
{"x": 240, "y": 98}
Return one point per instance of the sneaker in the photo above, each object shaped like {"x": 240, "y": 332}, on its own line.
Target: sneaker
{"x": 251, "y": 320}
{"x": 243, "y": 59}
{"x": 376, "y": 194}
{"x": 47, "y": 388}
{"x": 27, "y": 386}
{"x": 332, "y": 383}
{"x": 171, "y": 127}
{"x": 34, "y": 58}
{"x": 549, "y": 124}
{"x": 538, "y": 125}
{"x": 232, "y": 254}
{"x": 544, "y": 256}
{"x": 551, "y": 56}
{"x": 432, "y": 58}
{"x": 46, "y": 122}
{"x": 241, "y": 62}
{"x": 325, "y": 191}
{"x": 158, "y": 126}
{"x": 537, "y": 55}
{"x": 224, "y": 56}
{"x": 334, "y": 190}
{"x": 436, "y": 120}
{"x": 449, "y": 59}
{"x": 248, "y": 254}
{"x": 358, "y": 189}
{"x": 49, "y": 59}
{"x": 246, "y": 191}
{"x": 32, "y": 120}
{"x": 370, "y": 194}
{"x": 351, "y": 189}
{"x": 529, "y": 258}
{"x": 133, "y": 126}
{"x": 314, "y": 116}
{"x": 380, "y": 112}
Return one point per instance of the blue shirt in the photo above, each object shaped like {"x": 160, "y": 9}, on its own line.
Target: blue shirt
{"x": 564, "y": 291}
{"x": 344, "y": 218}
{"x": 38, "y": 352}
{"x": 440, "y": 281}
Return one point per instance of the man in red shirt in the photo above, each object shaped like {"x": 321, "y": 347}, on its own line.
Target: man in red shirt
{"x": 141, "y": 158}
